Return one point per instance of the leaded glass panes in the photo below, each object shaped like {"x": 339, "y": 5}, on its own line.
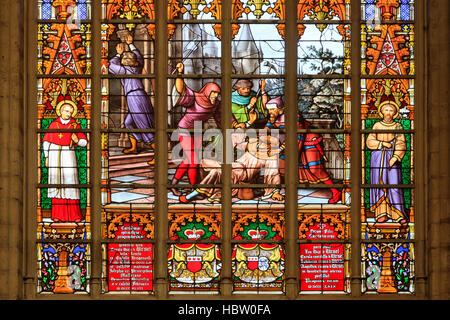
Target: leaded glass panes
{"x": 324, "y": 268}
{"x": 195, "y": 223}
{"x": 128, "y": 10}
{"x": 197, "y": 46}
{"x": 129, "y": 223}
{"x": 257, "y": 147}
{"x": 64, "y": 119}
{"x": 55, "y": 94}
{"x": 324, "y": 49}
{"x": 129, "y": 267}
{"x": 262, "y": 223}
{"x": 258, "y": 268}
{"x": 197, "y": 10}
{"x": 323, "y": 9}
{"x": 70, "y": 10}
{"x": 324, "y": 258}
{"x": 64, "y": 218}
{"x": 195, "y": 147}
{"x": 324, "y": 145}
{"x": 387, "y": 49}
{"x": 377, "y": 10}
{"x": 127, "y": 145}
{"x": 260, "y": 10}
{"x": 63, "y": 268}
{"x": 258, "y": 49}
{"x": 64, "y": 48}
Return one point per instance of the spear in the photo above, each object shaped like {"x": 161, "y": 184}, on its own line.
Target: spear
{"x": 189, "y": 53}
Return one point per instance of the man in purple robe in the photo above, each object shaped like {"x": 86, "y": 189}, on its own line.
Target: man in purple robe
{"x": 140, "y": 110}
{"x": 200, "y": 107}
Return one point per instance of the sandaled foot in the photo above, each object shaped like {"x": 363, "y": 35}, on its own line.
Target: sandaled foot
{"x": 130, "y": 151}
{"x": 198, "y": 197}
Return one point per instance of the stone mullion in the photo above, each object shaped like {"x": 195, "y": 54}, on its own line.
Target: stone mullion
{"x": 355, "y": 149}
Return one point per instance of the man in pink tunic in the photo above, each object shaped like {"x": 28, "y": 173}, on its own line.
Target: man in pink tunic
{"x": 61, "y": 161}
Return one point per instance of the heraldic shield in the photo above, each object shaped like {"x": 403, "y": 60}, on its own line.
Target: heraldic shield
{"x": 258, "y": 263}
{"x": 194, "y": 263}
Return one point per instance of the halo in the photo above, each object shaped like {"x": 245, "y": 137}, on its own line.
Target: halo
{"x": 391, "y": 103}
{"x": 63, "y": 102}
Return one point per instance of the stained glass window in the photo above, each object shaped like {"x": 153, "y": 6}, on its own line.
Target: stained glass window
{"x": 203, "y": 147}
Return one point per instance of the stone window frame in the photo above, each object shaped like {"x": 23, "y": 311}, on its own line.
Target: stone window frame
{"x": 161, "y": 239}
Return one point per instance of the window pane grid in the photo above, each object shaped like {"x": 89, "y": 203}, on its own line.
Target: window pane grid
{"x": 127, "y": 132}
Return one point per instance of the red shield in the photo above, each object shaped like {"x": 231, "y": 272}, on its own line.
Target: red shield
{"x": 252, "y": 263}
{"x": 194, "y": 263}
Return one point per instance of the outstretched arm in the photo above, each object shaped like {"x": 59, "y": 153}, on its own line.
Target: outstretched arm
{"x": 133, "y": 48}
